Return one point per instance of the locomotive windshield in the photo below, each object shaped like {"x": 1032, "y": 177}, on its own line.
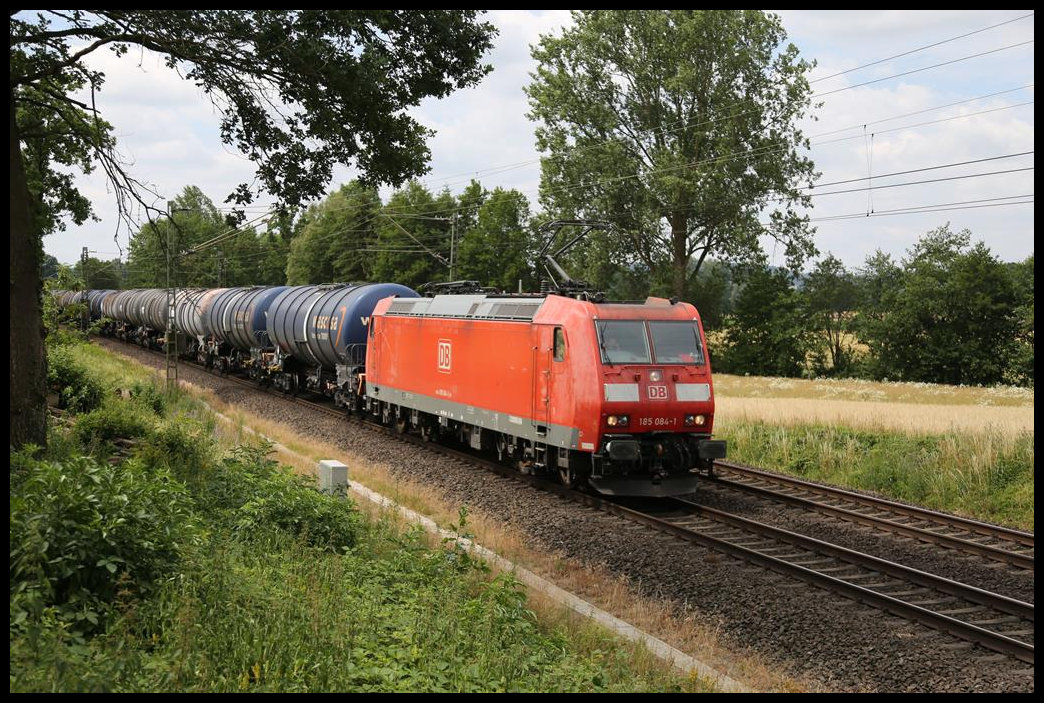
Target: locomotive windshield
{"x": 627, "y": 342}
{"x": 676, "y": 343}
{"x": 623, "y": 342}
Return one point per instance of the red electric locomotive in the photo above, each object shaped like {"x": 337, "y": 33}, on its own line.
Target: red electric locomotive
{"x": 615, "y": 395}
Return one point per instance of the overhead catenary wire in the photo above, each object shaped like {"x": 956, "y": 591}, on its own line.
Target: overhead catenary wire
{"x": 740, "y": 155}
{"x": 921, "y": 48}
{"x": 937, "y": 207}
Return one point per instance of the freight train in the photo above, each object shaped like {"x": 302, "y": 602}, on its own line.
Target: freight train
{"x": 613, "y": 397}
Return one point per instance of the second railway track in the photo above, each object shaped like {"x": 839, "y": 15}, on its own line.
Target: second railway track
{"x": 992, "y": 620}
{"x": 992, "y": 542}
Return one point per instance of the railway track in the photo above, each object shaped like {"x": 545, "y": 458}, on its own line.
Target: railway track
{"x": 994, "y": 621}
{"x": 992, "y": 542}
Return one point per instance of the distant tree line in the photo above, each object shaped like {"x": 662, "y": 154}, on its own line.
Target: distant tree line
{"x": 947, "y": 312}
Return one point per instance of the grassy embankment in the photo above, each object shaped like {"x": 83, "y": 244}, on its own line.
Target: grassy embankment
{"x": 965, "y": 450}
{"x": 177, "y": 562}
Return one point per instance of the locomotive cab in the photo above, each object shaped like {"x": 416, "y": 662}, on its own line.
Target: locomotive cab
{"x": 657, "y": 412}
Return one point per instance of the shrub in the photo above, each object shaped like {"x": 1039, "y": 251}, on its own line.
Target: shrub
{"x": 292, "y": 503}
{"x": 115, "y": 420}
{"x": 78, "y": 390}
{"x": 82, "y": 531}
{"x": 149, "y": 396}
{"x": 181, "y": 446}
{"x": 260, "y": 494}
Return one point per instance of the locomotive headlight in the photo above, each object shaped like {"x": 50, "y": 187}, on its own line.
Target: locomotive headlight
{"x": 695, "y": 420}
{"x": 655, "y": 376}
{"x": 616, "y": 420}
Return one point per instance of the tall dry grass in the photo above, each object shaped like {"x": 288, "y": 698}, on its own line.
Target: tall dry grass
{"x": 915, "y": 418}
{"x": 959, "y": 449}
{"x": 871, "y": 391}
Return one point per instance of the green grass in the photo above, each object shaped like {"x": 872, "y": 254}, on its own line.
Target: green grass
{"x": 272, "y": 615}
{"x": 267, "y": 612}
{"x": 982, "y": 476}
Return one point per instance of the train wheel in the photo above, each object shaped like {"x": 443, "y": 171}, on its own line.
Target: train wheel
{"x": 569, "y": 477}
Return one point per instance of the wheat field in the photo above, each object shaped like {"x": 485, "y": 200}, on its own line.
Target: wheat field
{"x": 914, "y": 408}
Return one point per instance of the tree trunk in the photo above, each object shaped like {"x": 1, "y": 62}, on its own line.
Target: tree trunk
{"x": 679, "y": 253}
{"x": 28, "y": 364}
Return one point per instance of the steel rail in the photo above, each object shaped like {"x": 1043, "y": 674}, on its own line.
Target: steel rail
{"x": 1018, "y": 559}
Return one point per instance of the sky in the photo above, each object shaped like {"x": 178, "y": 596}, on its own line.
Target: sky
{"x": 926, "y": 120}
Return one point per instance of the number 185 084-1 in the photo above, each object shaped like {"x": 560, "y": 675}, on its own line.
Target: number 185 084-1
{"x": 657, "y": 421}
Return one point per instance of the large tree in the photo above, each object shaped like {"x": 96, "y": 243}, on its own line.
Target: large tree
{"x": 222, "y": 255}
{"x": 1021, "y": 370}
{"x": 679, "y": 126}
{"x": 831, "y": 294}
{"x": 297, "y": 91}
{"x": 48, "y": 137}
{"x": 193, "y": 219}
{"x": 414, "y": 233}
{"x": 769, "y": 331}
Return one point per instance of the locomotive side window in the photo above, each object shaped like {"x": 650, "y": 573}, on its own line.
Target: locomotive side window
{"x": 676, "y": 343}
{"x": 559, "y": 344}
{"x": 623, "y": 342}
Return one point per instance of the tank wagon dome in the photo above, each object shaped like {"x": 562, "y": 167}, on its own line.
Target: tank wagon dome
{"x": 214, "y": 318}
{"x": 155, "y": 308}
{"x": 110, "y": 304}
{"x": 146, "y": 307}
{"x": 184, "y": 304}
{"x": 118, "y": 304}
{"x": 132, "y": 305}
{"x": 321, "y": 324}
{"x": 69, "y": 297}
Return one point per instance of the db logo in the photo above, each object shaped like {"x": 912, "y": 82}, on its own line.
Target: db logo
{"x": 445, "y": 355}
{"x": 658, "y": 392}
